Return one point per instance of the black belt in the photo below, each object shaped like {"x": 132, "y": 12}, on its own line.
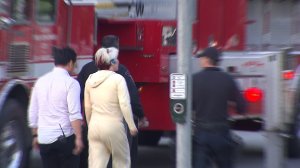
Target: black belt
{"x": 212, "y": 126}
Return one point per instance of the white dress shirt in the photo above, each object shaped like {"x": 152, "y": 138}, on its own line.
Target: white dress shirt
{"x": 55, "y": 101}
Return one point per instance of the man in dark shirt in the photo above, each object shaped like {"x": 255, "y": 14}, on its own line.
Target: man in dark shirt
{"x": 213, "y": 90}
{"x": 138, "y": 113}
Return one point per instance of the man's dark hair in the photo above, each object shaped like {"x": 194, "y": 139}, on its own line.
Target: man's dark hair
{"x": 214, "y": 62}
{"x": 110, "y": 41}
{"x": 63, "y": 56}
{"x": 212, "y": 53}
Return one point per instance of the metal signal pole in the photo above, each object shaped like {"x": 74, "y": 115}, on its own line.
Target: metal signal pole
{"x": 185, "y": 17}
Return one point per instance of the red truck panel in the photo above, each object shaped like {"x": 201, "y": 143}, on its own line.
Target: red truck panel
{"x": 141, "y": 47}
{"x": 155, "y": 100}
{"x": 221, "y": 20}
{"x": 83, "y": 29}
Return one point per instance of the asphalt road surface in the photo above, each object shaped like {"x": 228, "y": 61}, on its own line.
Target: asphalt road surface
{"x": 251, "y": 156}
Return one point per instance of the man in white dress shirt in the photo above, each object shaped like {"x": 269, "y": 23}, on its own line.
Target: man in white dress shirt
{"x": 55, "y": 113}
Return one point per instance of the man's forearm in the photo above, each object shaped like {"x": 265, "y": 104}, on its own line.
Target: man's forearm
{"x": 76, "y": 124}
{"x": 34, "y": 131}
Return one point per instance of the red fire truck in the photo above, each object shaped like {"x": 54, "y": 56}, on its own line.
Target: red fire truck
{"x": 28, "y": 31}
{"x": 147, "y": 31}
{"x": 148, "y": 49}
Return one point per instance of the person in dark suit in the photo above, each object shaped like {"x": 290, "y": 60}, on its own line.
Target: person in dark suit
{"x": 139, "y": 118}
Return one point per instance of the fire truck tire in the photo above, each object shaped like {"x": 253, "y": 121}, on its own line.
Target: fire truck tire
{"x": 14, "y": 141}
{"x": 149, "y": 138}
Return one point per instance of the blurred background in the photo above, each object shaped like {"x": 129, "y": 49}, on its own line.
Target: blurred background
{"x": 251, "y": 34}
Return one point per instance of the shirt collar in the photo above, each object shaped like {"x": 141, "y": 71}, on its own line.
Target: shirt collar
{"x": 212, "y": 69}
{"x": 60, "y": 70}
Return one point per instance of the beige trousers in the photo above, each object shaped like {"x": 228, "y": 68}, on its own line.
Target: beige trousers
{"x": 107, "y": 137}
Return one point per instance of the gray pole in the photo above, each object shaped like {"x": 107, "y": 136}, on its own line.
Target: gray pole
{"x": 274, "y": 148}
{"x": 184, "y": 49}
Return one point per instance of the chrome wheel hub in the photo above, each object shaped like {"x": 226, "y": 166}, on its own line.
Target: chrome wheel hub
{"x": 10, "y": 148}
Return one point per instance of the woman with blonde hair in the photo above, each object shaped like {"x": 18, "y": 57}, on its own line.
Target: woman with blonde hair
{"x": 106, "y": 103}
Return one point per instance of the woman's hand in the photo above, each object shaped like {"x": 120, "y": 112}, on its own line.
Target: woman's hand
{"x": 143, "y": 123}
{"x": 133, "y": 132}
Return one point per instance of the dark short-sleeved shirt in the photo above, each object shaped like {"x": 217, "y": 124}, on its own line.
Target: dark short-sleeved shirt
{"x": 212, "y": 90}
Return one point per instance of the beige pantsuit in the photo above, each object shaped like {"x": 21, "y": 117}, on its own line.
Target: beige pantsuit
{"x": 107, "y": 136}
{"x": 107, "y": 102}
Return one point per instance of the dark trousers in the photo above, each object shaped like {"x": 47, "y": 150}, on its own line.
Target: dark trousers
{"x": 212, "y": 147}
{"x": 85, "y": 152}
{"x": 133, "y": 146}
{"x": 59, "y": 154}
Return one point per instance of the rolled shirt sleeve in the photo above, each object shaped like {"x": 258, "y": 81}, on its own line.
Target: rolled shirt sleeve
{"x": 238, "y": 98}
{"x": 73, "y": 100}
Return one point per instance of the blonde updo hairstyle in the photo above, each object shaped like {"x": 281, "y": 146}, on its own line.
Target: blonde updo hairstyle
{"x": 105, "y": 57}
